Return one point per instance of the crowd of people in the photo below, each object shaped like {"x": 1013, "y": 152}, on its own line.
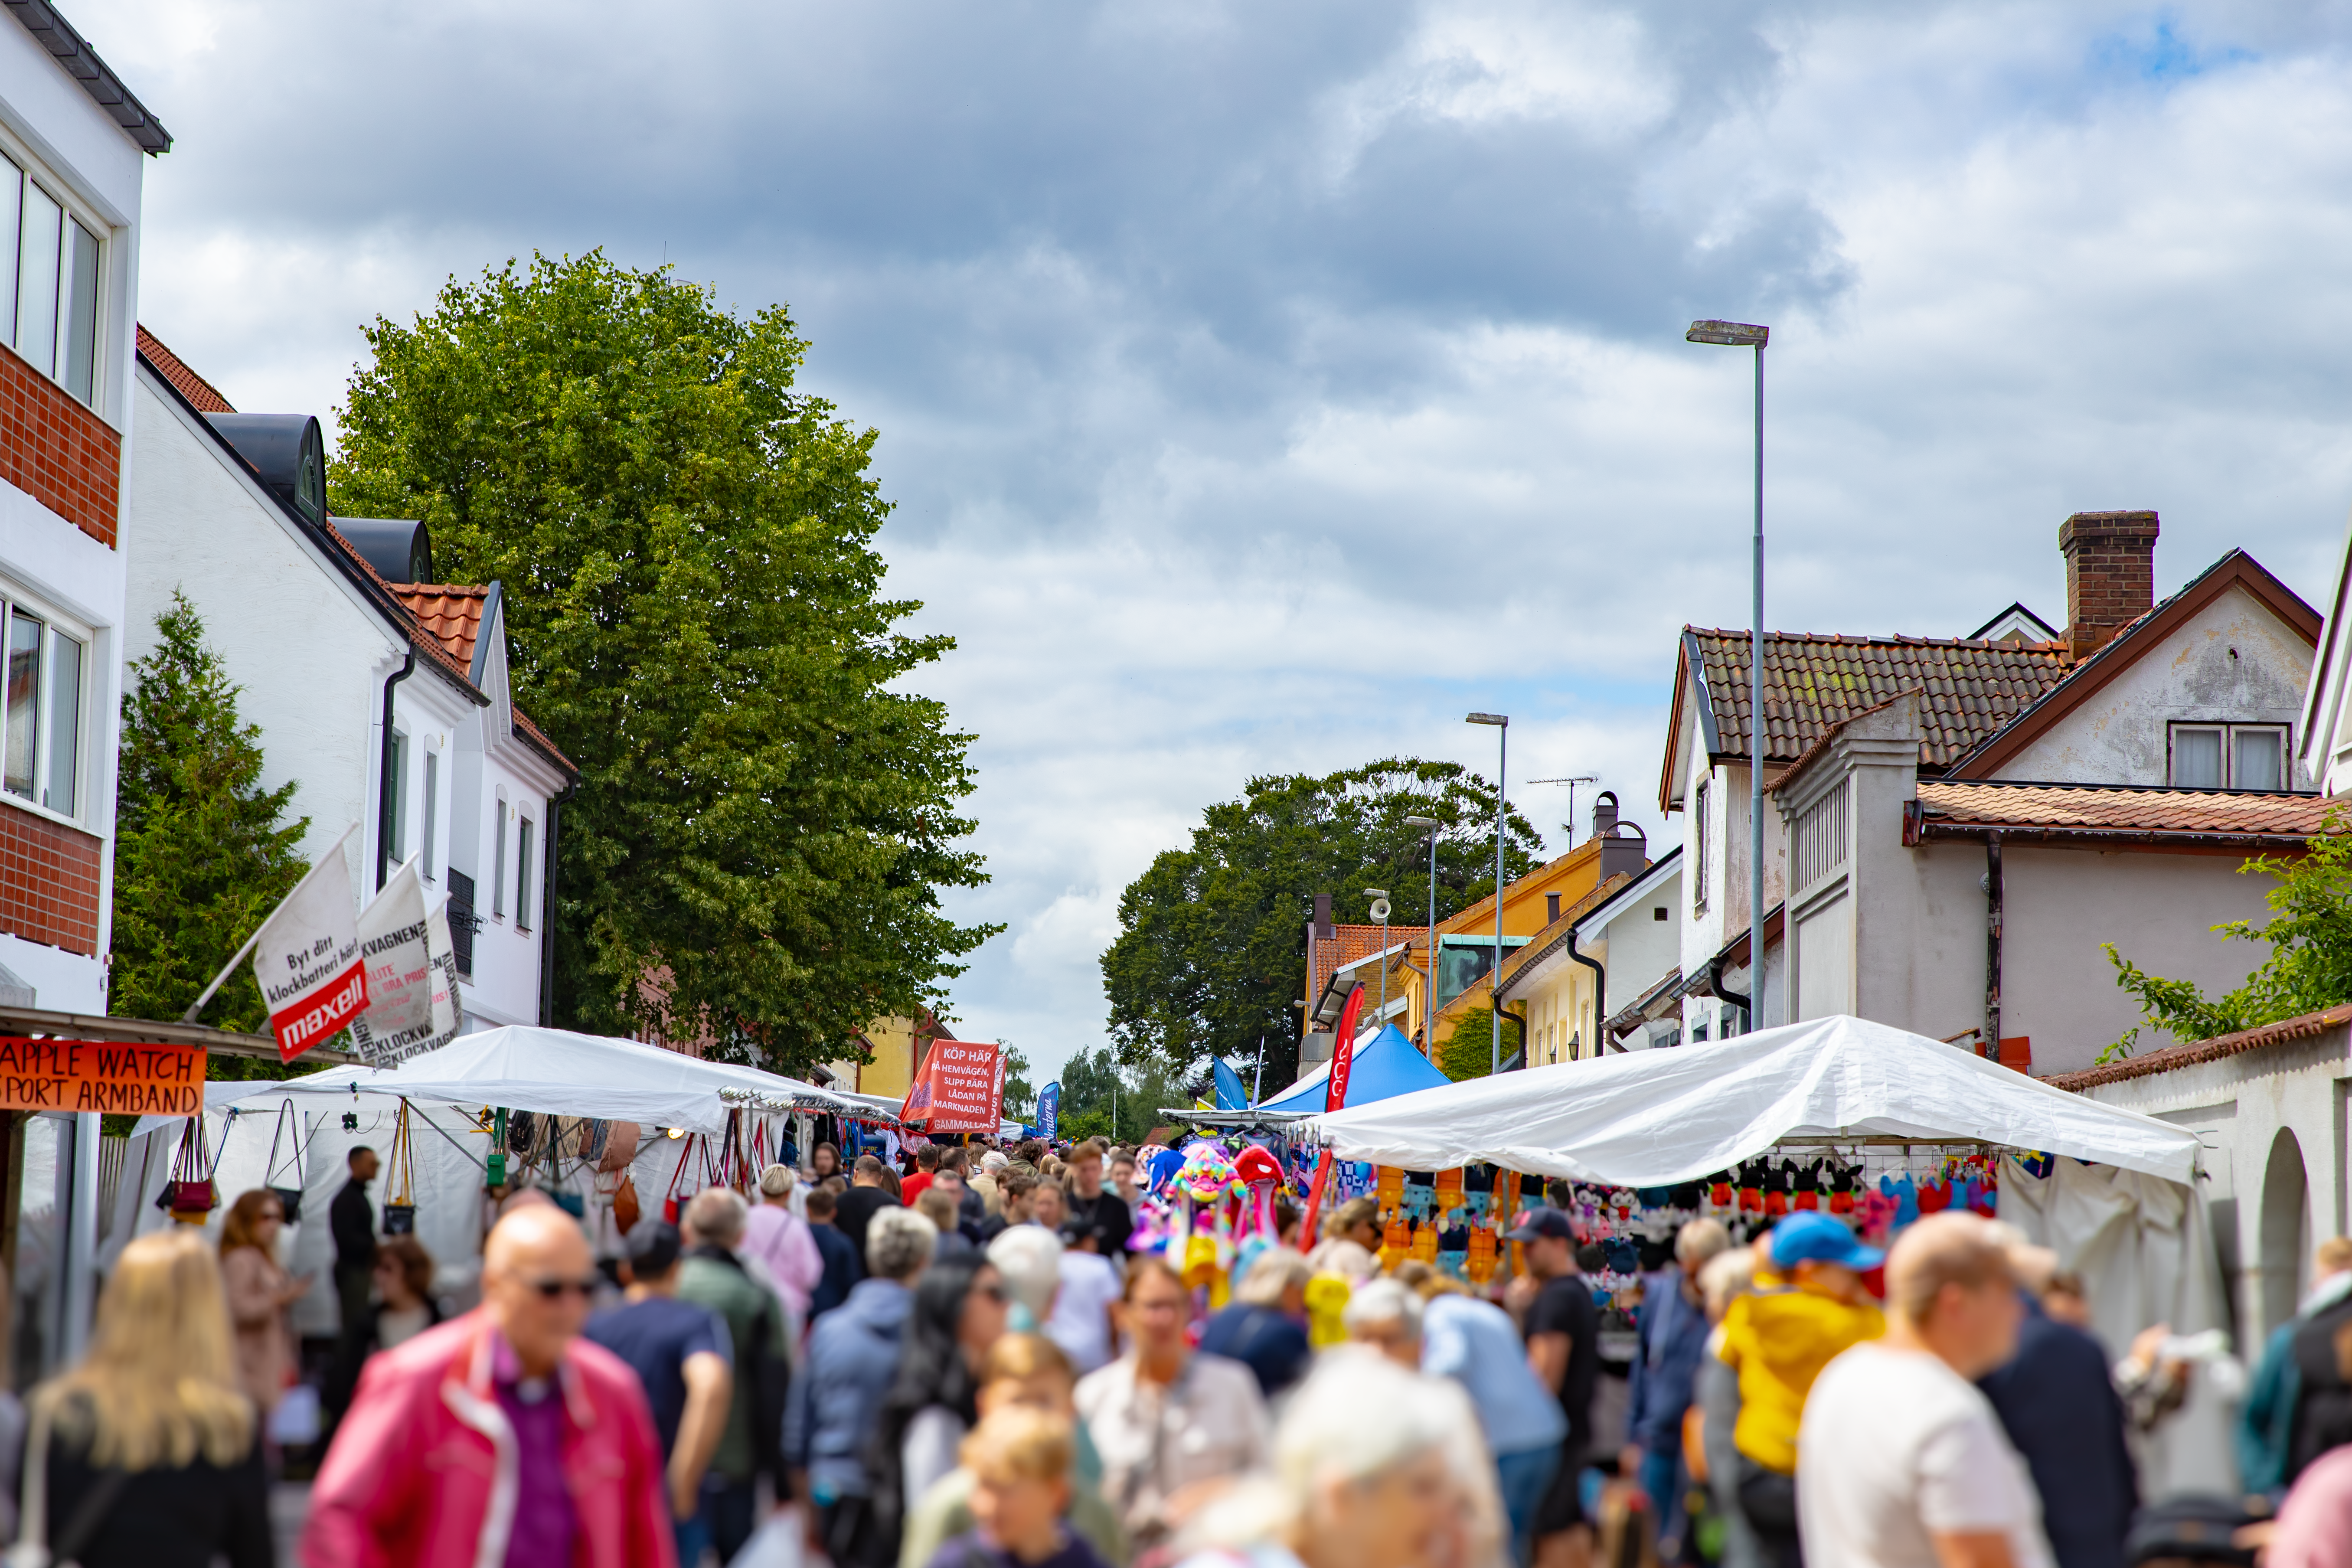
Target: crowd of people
{"x": 955, "y": 1363}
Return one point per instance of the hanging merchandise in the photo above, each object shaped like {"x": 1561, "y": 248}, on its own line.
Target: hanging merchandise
{"x": 288, "y": 1128}
{"x": 400, "y": 1180}
{"x": 190, "y": 1195}
{"x": 671, "y": 1203}
{"x": 620, "y": 1147}
{"x": 494, "y": 1171}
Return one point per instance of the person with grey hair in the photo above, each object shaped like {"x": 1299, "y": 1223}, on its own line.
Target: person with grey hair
{"x": 775, "y": 1233}
{"x": 1029, "y": 1260}
{"x": 1447, "y": 1332}
{"x": 1374, "y": 1467}
{"x": 1670, "y": 1336}
{"x": 1265, "y": 1329}
{"x": 852, "y": 1361}
{"x": 716, "y": 1276}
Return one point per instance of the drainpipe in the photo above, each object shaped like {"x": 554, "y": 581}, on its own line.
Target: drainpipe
{"x": 389, "y": 784}
{"x": 1990, "y": 1044}
{"x": 1715, "y": 987}
{"x": 547, "y": 910}
{"x": 1600, "y": 996}
{"x": 1526, "y": 1040}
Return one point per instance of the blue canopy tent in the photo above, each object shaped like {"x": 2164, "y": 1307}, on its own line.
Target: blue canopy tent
{"x": 1385, "y": 1065}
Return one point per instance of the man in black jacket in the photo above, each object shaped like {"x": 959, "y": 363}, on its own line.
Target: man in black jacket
{"x": 352, "y": 1221}
{"x": 2057, "y": 1402}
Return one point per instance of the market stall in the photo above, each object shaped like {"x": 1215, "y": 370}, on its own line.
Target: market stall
{"x": 1839, "y": 1114}
{"x": 572, "y": 1113}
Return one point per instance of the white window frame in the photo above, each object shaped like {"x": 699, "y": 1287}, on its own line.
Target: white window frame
{"x": 395, "y": 832}
{"x": 1700, "y": 804}
{"x": 2229, "y": 733}
{"x": 54, "y": 624}
{"x": 32, "y": 168}
{"x": 526, "y": 840}
{"x": 432, "y": 812}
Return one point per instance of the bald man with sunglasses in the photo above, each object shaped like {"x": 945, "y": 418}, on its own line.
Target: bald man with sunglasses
{"x": 501, "y": 1436}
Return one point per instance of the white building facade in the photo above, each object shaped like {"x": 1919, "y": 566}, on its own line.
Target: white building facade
{"x": 383, "y": 701}
{"x": 73, "y": 146}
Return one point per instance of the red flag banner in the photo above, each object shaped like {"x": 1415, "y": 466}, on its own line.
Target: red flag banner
{"x": 307, "y": 959}
{"x": 959, "y": 1088}
{"x": 1343, "y": 1053}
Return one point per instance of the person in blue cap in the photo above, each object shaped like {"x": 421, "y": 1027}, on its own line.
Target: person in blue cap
{"x": 1810, "y": 1305}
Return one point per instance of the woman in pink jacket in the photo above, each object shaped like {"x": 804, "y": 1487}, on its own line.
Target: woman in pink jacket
{"x": 500, "y": 1437}
{"x": 780, "y": 1239}
{"x": 259, "y": 1292}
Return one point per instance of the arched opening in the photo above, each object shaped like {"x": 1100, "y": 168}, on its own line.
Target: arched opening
{"x": 2285, "y": 1230}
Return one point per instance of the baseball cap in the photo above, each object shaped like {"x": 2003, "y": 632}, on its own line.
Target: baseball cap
{"x": 1538, "y": 1222}
{"x": 1811, "y": 1236}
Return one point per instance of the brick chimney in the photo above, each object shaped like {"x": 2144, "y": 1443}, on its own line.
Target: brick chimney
{"x": 1323, "y": 918}
{"x": 2110, "y": 574}
{"x": 1551, "y": 908}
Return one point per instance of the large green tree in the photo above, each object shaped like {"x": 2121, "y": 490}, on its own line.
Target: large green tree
{"x": 1211, "y": 950}
{"x": 202, "y": 852}
{"x": 765, "y": 814}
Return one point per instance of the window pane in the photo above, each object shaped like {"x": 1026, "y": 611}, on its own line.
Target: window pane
{"x": 2197, "y": 759}
{"x": 81, "y": 311}
{"x": 498, "y": 862}
{"x": 2254, "y": 759}
{"x": 24, "y": 704}
{"x": 36, "y": 281}
{"x": 397, "y": 831}
{"x": 432, "y": 810}
{"x": 12, "y": 213}
{"x": 522, "y": 875}
{"x": 65, "y": 723}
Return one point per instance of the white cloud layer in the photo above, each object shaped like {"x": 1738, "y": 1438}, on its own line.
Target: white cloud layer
{"x": 1262, "y": 389}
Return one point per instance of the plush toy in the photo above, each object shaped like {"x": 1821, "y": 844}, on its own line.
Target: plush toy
{"x": 1327, "y": 1299}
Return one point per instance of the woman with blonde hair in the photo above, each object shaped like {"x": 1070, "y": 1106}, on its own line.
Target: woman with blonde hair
{"x": 147, "y": 1452}
{"x": 259, "y": 1292}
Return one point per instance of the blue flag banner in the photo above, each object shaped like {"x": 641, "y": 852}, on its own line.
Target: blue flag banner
{"x": 1231, "y": 1096}
{"x": 1049, "y": 1110}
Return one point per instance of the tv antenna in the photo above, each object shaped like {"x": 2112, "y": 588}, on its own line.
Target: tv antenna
{"x": 1571, "y": 783}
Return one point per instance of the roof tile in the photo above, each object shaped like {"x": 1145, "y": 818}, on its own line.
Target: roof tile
{"x": 2093, "y": 808}
{"x": 174, "y": 369}
{"x": 1813, "y": 683}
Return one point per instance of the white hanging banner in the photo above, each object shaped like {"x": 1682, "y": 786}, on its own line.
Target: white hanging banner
{"x": 412, "y": 975}
{"x": 307, "y": 959}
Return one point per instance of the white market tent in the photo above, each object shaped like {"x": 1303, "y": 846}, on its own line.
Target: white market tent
{"x": 2129, "y": 1217}
{"x": 525, "y": 1068}
{"x": 1655, "y": 1118}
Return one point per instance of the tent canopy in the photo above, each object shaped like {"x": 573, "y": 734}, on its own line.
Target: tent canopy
{"x": 527, "y": 1068}
{"x": 1655, "y": 1118}
{"x": 1385, "y": 1065}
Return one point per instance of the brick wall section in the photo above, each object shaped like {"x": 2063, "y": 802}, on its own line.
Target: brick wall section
{"x": 2110, "y": 573}
{"x": 49, "y": 881}
{"x": 56, "y": 451}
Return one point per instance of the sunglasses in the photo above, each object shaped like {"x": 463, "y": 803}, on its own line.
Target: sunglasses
{"x": 555, "y": 1289}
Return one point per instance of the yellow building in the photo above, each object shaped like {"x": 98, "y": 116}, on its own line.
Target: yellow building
{"x": 1534, "y": 908}
{"x": 898, "y": 1044}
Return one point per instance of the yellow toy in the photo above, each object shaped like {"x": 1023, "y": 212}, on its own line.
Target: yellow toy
{"x": 1327, "y": 1298}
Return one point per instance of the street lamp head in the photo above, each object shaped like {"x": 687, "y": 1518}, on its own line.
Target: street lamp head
{"x": 1498, "y": 719}
{"x": 1730, "y": 334}
{"x": 1376, "y": 893}
{"x": 1422, "y": 822}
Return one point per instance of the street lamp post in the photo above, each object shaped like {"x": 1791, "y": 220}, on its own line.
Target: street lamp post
{"x": 1740, "y": 334}
{"x": 1430, "y": 825}
{"x": 1501, "y": 723}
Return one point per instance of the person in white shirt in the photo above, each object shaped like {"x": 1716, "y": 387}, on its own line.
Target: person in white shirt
{"x": 1081, "y": 1320}
{"x": 1901, "y": 1462}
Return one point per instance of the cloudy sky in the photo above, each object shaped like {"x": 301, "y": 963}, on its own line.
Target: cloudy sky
{"x": 1261, "y": 386}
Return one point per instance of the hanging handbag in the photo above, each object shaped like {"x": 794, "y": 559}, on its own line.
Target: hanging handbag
{"x": 400, "y": 1175}
{"x": 670, "y": 1203}
{"x": 289, "y": 1199}
{"x": 625, "y": 1211}
{"x": 190, "y": 1195}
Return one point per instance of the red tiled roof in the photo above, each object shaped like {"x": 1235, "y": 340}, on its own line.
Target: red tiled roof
{"x": 1969, "y": 689}
{"x": 538, "y": 737}
{"x": 2196, "y": 1052}
{"x": 174, "y": 369}
{"x": 1332, "y": 953}
{"x": 450, "y": 611}
{"x": 1947, "y": 808}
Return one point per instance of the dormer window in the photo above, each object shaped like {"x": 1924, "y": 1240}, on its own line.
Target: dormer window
{"x": 50, "y": 315}
{"x": 2229, "y": 756}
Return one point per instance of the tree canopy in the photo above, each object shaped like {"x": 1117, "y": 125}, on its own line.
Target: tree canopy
{"x": 765, "y": 814}
{"x": 2309, "y": 967}
{"x": 1211, "y": 950}
{"x": 202, "y": 852}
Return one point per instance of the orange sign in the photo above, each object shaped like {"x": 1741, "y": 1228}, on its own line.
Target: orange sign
{"x": 100, "y": 1075}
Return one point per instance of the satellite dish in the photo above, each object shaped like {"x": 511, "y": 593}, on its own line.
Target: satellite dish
{"x": 1379, "y": 908}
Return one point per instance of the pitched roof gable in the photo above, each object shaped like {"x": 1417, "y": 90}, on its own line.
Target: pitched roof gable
{"x": 202, "y": 395}
{"x": 2128, "y": 645}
